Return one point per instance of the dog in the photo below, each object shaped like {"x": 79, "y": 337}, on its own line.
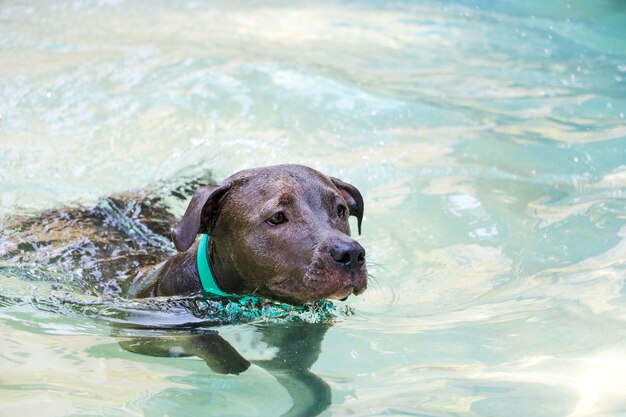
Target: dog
{"x": 280, "y": 232}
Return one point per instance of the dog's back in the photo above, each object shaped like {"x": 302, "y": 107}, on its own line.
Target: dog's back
{"x": 103, "y": 247}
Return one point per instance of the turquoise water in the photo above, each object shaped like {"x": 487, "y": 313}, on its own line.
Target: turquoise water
{"x": 488, "y": 140}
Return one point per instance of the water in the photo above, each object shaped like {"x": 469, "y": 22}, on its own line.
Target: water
{"x": 489, "y": 142}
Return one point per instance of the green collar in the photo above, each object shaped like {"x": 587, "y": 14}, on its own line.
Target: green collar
{"x": 210, "y": 287}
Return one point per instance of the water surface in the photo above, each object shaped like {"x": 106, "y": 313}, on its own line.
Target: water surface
{"x": 488, "y": 140}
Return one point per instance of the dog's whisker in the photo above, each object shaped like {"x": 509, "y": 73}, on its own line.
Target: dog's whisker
{"x": 374, "y": 280}
{"x": 377, "y": 265}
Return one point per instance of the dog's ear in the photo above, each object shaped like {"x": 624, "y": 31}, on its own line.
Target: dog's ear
{"x": 353, "y": 198}
{"x": 199, "y": 215}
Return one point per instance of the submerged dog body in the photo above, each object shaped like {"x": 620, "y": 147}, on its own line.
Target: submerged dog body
{"x": 281, "y": 232}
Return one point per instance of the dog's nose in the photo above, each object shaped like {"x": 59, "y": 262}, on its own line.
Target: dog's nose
{"x": 350, "y": 255}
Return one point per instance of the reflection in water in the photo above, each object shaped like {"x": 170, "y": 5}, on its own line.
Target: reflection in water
{"x": 294, "y": 348}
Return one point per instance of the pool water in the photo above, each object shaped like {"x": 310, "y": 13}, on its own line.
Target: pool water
{"x": 488, "y": 139}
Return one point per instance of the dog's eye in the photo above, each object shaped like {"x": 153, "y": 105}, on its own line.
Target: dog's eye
{"x": 341, "y": 211}
{"x": 277, "y": 218}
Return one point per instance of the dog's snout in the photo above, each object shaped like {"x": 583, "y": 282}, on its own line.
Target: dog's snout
{"x": 350, "y": 255}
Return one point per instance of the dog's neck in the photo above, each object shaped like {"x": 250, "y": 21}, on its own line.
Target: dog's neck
{"x": 208, "y": 282}
{"x": 226, "y": 276}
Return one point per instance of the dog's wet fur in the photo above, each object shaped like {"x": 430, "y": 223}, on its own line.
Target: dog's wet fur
{"x": 281, "y": 232}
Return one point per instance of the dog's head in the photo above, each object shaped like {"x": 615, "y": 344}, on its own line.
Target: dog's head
{"x": 281, "y": 232}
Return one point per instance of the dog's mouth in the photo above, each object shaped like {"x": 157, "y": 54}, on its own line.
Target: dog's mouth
{"x": 296, "y": 295}
{"x": 343, "y": 293}
{"x": 347, "y": 291}
{"x": 320, "y": 280}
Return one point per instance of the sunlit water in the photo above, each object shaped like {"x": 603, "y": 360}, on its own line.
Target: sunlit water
{"x": 488, "y": 140}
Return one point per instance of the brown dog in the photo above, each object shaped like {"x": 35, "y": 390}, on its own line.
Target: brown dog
{"x": 281, "y": 232}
